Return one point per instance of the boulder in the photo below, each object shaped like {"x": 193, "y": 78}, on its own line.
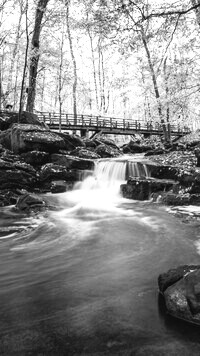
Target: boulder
{"x": 181, "y": 290}
{"x": 30, "y": 202}
{"x": 34, "y": 137}
{"x": 89, "y": 143}
{"x": 60, "y": 186}
{"x": 142, "y": 188}
{"x": 36, "y": 158}
{"x": 16, "y": 179}
{"x": 51, "y": 172}
{"x": 85, "y": 153}
{"x": 134, "y": 147}
{"x": 71, "y": 141}
{"x": 10, "y": 118}
{"x": 105, "y": 151}
{"x": 71, "y": 162}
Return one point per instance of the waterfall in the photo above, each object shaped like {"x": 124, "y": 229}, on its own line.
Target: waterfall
{"x": 120, "y": 170}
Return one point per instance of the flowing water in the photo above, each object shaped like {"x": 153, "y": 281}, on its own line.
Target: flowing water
{"x": 82, "y": 280}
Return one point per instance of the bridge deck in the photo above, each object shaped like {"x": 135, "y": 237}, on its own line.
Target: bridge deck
{"x": 107, "y": 125}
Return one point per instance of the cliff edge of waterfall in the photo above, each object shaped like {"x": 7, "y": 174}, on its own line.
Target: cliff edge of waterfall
{"x": 35, "y": 160}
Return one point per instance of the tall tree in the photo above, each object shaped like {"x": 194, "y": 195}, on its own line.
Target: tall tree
{"x": 74, "y": 91}
{"x": 35, "y": 53}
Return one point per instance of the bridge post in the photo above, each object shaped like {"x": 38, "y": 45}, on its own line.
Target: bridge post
{"x": 124, "y": 124}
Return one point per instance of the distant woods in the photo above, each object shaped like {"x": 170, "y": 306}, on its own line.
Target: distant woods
{"x": 134, "y": 60}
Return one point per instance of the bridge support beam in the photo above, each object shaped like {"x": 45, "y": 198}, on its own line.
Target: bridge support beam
{"x": 84, "y": 132}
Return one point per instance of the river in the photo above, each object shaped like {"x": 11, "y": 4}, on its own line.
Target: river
{"x": 82, "y": 280}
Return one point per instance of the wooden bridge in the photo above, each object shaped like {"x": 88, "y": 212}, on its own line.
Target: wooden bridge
{"x": 106, "y": 125}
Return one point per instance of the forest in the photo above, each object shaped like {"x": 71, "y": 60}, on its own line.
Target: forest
{"x": 129, "y": 59}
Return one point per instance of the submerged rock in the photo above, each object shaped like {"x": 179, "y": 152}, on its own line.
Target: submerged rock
{"x": 181, "y": 290}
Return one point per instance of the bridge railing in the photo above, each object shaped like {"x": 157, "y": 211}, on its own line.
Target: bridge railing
{"x": 105, "y": 122}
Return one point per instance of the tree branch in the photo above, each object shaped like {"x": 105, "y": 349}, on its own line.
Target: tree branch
{"x": 173, "y": 12}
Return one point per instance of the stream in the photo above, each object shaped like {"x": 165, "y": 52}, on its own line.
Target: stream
{"x": 82, "y": 280}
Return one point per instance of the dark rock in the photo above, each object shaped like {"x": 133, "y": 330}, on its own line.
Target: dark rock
{"x": 36, "y": 158}
{"x": 175, "y": 199}
{"x": 32, "y": 138}
{"x": 141, "y": 189}
{"x": 16, "y": 179}
{"x": 71, "y": 141}
{"x": 173, "y": 275}
{"x": 71, "y": 162}
{"x": 29, "y": 202}
{"x": 133, "y": 147}
{"x": 107, "y": 142}
{"x": 5, "y": 139}
{"x": 51, "y": 172}
{"x": 105, "y": 151}
{"x": 8, "y": 197}
{"x": 90, "y": 143}
{"x": 61, "y": 186}
{"x": 197, "y": 154}
{"x": 181, "y": 291}
{"x": 156, "y": 151}
{"x": 85, "y": 153}
{"x": 10, "y": 118}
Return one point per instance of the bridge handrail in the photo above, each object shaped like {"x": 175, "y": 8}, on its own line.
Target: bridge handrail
{"x": 105, "y": 121}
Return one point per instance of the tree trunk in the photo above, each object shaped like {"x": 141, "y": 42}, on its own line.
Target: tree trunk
{"x": 156, "y": 90}
{"x": 94, "y": 68}
{"x": 21, "y": 103}
{"x": 60, "y": 80}
{"x": 166, "y": 76}
{"x": 35, "y": 54}
{"x": 74, "y": 65}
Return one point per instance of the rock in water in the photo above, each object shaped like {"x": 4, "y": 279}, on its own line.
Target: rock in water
{"x": 181, "y": 290}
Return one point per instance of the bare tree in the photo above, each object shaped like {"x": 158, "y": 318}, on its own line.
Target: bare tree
{"x": 74, "y": 90}
{"x": 35, "y": 54}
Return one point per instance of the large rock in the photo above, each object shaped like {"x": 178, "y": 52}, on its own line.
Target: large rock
{"x": 71, "y": 141}
{"x": 181, "y": 290}
{"x": 16, "y": 175}
{"x": 134, "y": 147}
{"x": 71, "y": 162}
{"x": 33, "y": 137}
{"x": 10, "y": 118}
{"x": 30, "y": 202}
{"x": 141, "y": 189}
{"x": 36, "y": 158}
{"x": 105, "y": 151}
{"x": 52, "y": 172}
{"x": 85, "y": 153}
